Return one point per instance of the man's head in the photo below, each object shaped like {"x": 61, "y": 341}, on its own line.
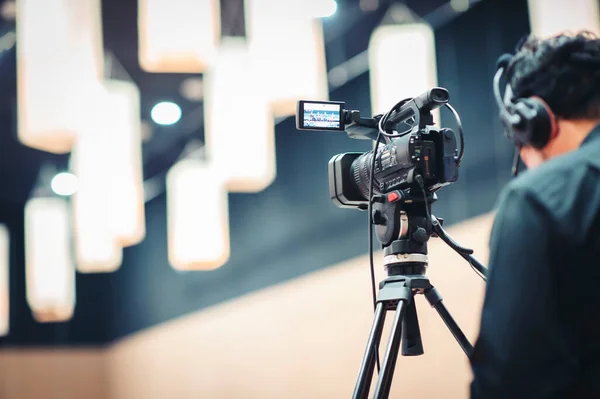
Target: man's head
{"x": 564, "y": 72}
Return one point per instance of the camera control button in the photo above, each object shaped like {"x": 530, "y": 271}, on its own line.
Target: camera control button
{"x": 393, "y": 197}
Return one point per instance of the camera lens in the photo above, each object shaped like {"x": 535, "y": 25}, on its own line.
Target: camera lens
{"x": 360, "y": 173}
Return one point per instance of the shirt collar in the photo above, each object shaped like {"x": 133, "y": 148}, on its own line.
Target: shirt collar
{"x": 593, "y": 136}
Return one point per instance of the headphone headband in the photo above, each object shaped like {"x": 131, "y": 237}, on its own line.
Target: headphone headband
{"x": 509, "y": 119}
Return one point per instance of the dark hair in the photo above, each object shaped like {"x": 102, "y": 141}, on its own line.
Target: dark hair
{"x": 563, "y": 70}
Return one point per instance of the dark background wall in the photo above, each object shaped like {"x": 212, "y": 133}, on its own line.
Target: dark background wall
{"x": 291, "y": 228}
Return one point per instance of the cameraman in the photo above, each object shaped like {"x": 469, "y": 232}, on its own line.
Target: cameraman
{"x": 540, "y": 327}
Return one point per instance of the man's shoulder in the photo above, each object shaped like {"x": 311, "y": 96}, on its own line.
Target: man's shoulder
{"x": 560, "y": 186}
{"x": 548, "y": 178}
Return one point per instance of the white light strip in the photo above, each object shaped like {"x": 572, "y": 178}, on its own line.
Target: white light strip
{"x": 393, "y": 76}
{"x": 550, "y": 17}
{"x": 243, "y": 153}
{"x": 96, "y": 245}
{"x": 123, "y": 138}
{"x": 287, "y": 46}
{"x": 4, "y": 280}
{"x": 60, "y": 54}
{"x": 178, "y": 35}
{"x": 197, "y": 215}
{"x": 50, "y": 273}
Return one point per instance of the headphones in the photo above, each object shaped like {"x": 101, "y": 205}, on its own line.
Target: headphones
{"x": 527, "y": 121}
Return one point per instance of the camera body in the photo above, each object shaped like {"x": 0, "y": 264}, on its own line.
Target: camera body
{"x": 430, "y": 153}
{"x": 412, "y": 146}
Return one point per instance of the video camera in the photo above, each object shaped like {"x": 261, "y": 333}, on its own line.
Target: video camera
{"x": 412, "y": 147}
{"x": 396, "y": 182}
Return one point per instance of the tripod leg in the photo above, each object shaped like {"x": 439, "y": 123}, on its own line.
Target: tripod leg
{"x": 384, "y": 383}
{"x": 435, "y": 300}
{"x": 363, "y": 383}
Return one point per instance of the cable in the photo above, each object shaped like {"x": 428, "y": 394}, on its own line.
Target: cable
{"x": 460, "y": 132}
{"x": 419, "y": 180}
{"x": 370, "y": 220}
{"x": 385, "y": 117}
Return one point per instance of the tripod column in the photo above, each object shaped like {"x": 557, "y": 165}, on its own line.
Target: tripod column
{"x": 391, "y": 354}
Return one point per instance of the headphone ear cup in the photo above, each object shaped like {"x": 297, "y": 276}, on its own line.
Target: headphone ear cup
{"x": 536, "y": 125}
{"x": 514, "y": 125}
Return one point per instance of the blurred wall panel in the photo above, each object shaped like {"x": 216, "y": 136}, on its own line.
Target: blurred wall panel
{"x": 304, "y": 338}
{"x": 53, "y": 374}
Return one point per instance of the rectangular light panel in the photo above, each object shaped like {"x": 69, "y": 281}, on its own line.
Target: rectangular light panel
{"x": 288, "y": 48}
{"x": 178, "y": 36}
{"x": 243, "y": 152}
{"x": 59, "y": 55}
{"x": 394, "y": 75}
{"x": 197, "y": 216}
{"x": 50, "y": 272}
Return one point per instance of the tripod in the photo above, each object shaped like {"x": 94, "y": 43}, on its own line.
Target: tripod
{"x": 405, "y": 261}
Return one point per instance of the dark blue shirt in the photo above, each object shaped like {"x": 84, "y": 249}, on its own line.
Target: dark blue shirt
{"x": 540, "y": 327}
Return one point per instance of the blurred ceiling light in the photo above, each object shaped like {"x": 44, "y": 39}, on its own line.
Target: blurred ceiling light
{"x": 123, "y": 141}
{"x": 548, "y": 18}
{"x": 191, "y": 89}
{"x": 7, "y": 41}
{"x": 96, "y": 246}
{"x": 400, "y": 13}
{"x": 8, "y": 10}
{"x": 392, "y": 79}
{"x": 178, "y": 36}
{"x": 322, "y": 8}
{"x": 166, "y": 113}
{"x": 338, "y": 76}
{"x": 60, "y": 51}
{"x": 369, "y": 5}
{"x": 288, "y": 51}
{"x": 65, "y": 184}
{"x": 460, "y": 5}
{"x": 197, "y": 216}
{"x": 244, "y": 157}
{"x": 50, "y": 273}
{"x": 146, "y": 131}
{"x": 109, "y": 207}
{"x": 4, "y": 280}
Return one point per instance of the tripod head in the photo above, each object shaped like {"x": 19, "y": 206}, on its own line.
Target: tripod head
{"x": 403, "y": 227}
